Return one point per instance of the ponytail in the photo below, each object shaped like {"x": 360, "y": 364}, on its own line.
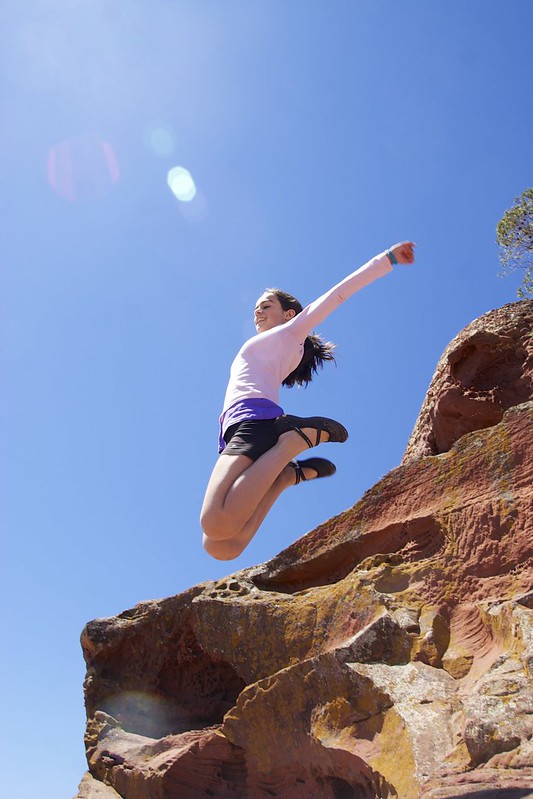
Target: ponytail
{"x": 316, "y": 353}
{"x": 316, "y": 350}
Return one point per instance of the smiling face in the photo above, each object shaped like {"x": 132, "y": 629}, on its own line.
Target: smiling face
{"x": 268, "y": 313}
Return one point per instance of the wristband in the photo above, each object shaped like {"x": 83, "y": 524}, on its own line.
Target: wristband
{"x": 392, "y": 258}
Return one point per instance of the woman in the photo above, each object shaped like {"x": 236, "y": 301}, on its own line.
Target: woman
{"x": 258, "y": 442}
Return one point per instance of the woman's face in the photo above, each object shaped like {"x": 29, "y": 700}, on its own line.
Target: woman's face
{"x": 268, "y": 313}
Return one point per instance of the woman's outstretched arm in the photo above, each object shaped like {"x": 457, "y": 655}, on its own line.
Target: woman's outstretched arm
{"x": 317, "y": 311}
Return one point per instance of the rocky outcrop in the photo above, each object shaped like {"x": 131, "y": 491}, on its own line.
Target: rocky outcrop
{"x": 388, "y": 653}
{"x": 484, "y": 371}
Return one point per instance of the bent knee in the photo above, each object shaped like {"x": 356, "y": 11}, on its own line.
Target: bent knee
{"x": 216, "y": 527}
{"x": 221, "y": 550}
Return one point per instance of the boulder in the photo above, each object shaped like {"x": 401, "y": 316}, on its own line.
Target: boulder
{"x": 387, "y": 653}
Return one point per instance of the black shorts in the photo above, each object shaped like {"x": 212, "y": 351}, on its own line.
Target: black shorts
{"x": 253, "y": 438}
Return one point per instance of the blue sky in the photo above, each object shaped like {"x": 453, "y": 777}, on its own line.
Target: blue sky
{"x": 317, "y": 134}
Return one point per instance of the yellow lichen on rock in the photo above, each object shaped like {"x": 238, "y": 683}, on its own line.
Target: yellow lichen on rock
{"x": 385, "y": 655}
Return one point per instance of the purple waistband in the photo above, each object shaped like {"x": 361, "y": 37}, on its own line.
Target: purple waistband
{"x": 244, "y": 410}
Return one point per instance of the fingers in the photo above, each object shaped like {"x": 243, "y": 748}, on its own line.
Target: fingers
{"x": 404, "y": 252}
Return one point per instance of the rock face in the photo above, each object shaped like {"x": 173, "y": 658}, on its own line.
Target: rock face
{"x": 483, "y": 372}
{"x": 388, "y": 653}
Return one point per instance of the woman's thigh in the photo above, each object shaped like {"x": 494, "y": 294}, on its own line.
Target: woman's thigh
{"x": 227, "y": 469}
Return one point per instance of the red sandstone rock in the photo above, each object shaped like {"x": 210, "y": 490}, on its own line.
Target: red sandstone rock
{"x": 484, "y": 371}
{"x": 388, "y": 653}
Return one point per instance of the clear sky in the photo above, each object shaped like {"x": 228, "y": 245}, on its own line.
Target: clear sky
{"x": 317, "y": 134}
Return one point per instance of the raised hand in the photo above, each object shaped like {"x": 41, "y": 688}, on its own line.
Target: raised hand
{"x": 404, "y": 252}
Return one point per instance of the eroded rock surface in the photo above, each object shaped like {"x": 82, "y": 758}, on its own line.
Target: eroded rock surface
{"x": 484, "y": 371}
{"x": 388, "y": 653}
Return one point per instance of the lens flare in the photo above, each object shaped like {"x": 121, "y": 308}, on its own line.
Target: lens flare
{"x": 82, "y": 168}
{"x": 181, "y": 184}
{"x": 160, "y": 139}
{"x": 196, "y": 210}
{"x": 143, "y": 713}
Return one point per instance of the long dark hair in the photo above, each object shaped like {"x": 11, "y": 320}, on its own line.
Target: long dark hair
{"x": 316, "y": 350}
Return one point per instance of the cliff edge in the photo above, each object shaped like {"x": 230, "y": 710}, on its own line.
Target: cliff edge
{"x": 387, "y": 653}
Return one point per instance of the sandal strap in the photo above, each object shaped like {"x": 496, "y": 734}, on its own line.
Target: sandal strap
{"x": 306, "y": 438}
{"x": 320, "y": 424}
{"x": 300, "y": 476}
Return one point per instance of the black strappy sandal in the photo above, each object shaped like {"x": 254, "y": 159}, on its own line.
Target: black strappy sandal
{"x": 337, "y": 433}
{"x": 322, "y": 467}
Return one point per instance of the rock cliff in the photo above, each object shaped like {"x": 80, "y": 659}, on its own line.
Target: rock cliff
{"x": 388, "y": 653}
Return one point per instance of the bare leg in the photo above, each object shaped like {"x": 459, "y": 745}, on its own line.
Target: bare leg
{"x": 232, "y": 547}
{"x": 238, "y": 486}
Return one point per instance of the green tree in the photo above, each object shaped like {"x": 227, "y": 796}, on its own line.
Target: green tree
{"x": 515, "y": 239}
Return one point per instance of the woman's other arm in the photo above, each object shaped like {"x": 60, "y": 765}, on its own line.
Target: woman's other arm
{"x": 380, "y": 265}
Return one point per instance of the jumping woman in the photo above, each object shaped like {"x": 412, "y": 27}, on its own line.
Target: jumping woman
{"x": 258, "y": 443}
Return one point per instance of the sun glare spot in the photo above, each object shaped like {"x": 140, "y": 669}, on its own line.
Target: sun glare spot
{"x": 142, "y": 713}
{"x": 181, "y": 184}
{"x": 82, "y": 168}
{"x": 196, "y": 210}
{"x": 160, "y": 139}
